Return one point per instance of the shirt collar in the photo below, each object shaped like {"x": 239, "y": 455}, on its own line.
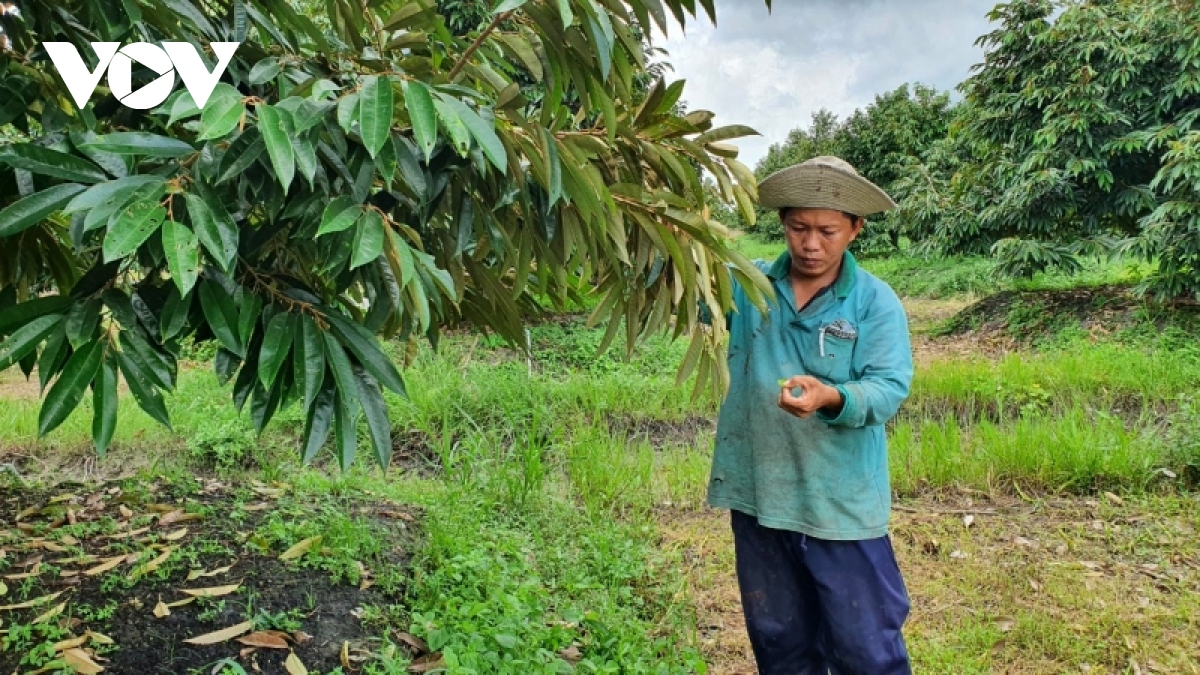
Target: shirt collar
{"x": 846, "y": 277}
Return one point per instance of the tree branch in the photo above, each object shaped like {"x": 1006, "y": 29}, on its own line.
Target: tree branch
{"x": 462, "y": 60}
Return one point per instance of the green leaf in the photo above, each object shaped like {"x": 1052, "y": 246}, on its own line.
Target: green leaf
{"x": 158, "y": 368}
{"x": 279, "y": 143}
{"x": 131, "y": 229}
{"x": 144, "y": 392}
{"x": 564, "y": 12}
{"x": 242, "y": 152}
{"x": 339, "y": 215}
{"x": 183, "y": 107}
{"x": 366, "y": 350}
{"x": 51, "y": 358}
{"x": 725, "y": 133}
{"x": 223, "y": 112}
{"x": 375, "y": 113}
{"x": 183, "y": 254}
{"x": 345, "y": 423}
{"x": 104, "y": 405}
{"x": 316, "y": 427}
{"x": 49, "y": 162}
{"x": 249, "y": 311}
{"x": 276, "y": 344}
{"x": 22, "y": 313}
{"x": 306, "y": 156}
{"x": 140, "y": 143}
{"x": 105, "y": 211}
{"x": 339, "y": 363}
{"x": 346, "y": 108}
{"x": 265, "y": 70}
{"x": 29, "y": 211}
{"x": 102, "y": 192}
{"x": 375, "y": 410}
{"x": 508, "y": 6}
{"x": 368, "y": 239}
{"x": 215, "y": 231}
{"x": 309, "y": 360}
{"x": 455, "y": 129}
{"x": 483, "y": 131}
{"x": 222, "y": 316}
{"x": 25, "y": 339}
{"x": 82, "y": 321}
{"x": 423, "y": 116}
{"x": 174, "y": 313}
{"x": 68, "y": 390}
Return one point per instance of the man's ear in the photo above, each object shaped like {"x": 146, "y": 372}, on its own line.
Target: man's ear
{"x": 856, "y": 227}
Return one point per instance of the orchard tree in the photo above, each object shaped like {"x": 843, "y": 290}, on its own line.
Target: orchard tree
{"x": 366, "y": 174}
{"x": 1080, "y": 137}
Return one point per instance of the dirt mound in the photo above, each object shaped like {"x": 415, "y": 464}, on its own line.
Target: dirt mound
{"x": 1028, "y": 315}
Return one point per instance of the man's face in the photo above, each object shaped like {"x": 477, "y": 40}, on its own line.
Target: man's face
{"x": 817, "y": 238}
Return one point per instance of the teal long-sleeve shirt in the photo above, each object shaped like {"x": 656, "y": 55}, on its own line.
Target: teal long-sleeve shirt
{"x": 825, "y": 476}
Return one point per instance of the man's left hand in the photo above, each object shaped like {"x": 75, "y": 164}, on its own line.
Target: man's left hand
{"x": 814, "y": 396}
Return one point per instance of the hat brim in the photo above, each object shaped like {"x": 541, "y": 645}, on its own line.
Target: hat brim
{"x": 823, "y": 187}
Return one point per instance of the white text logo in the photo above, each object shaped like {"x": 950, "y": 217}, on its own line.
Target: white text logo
{"x": 165, "y": 60}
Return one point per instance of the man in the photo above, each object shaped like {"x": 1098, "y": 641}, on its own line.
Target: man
{"x": 802, "y": 463}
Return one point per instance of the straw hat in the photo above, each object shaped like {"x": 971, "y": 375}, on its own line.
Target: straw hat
{"x": 823, "y": 183}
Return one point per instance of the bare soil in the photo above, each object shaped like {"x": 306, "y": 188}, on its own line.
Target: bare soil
{"x": 1004, "y": 585}
{"x": 54, "y": 538}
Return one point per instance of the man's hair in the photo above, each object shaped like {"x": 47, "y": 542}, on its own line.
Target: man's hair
{"x": 854, "y": 219}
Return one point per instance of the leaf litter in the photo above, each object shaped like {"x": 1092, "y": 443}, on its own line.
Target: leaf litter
{"x": 144, "y": 626}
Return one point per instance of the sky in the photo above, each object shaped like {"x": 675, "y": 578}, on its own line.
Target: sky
{"x": 772, "y": 71}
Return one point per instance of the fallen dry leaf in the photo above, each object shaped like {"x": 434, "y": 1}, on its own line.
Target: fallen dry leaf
{"x": 572, "y": 654}
{"x": 161, "y": 610}
{"x": 69, "y": 540}
{"x": 211, "y": 592}
{"x": 198, "y": 574}
{"x": 415, "y": 643}
{"x": 300, "y": 548}
{"x": 176, "y": 535}
{"x": 104, "y": 567}
{"x": 224, "y": 635}
{"x": 1114, "y": 499}
{"x": 50, "y": 614}
{"x": 131, "y": 533}
{"x": 99, "y": 638}
{"x": 181, "y": 603}
{"x": 126, "y": 514}
{"x": 968, "y": 520}
{"x": 345, "y": 654}
{"x": 36, "y": 602}
{"x": 426, "y": 663}
{"x": 153, "y": 565}
{"x": 294, "y": 666}
{"x": 81, "y": 662}
{"x": 70, "y": 644}
{"x": 301, "y": 637}
{"x": 260, "y": 506}
{"x": 264, "y": 639}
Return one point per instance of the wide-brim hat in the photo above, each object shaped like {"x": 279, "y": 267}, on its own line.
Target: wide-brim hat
{"x": 823, "y": 183}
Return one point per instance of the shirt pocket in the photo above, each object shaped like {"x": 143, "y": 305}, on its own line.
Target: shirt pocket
{"x": 832, "y": 362}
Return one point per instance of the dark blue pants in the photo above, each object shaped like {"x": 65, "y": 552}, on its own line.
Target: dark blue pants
{"x": 820, "y": 606}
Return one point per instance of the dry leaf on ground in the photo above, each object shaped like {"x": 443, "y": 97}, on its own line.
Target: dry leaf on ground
{"x": 263, "y": 639}
{"x": 81, "y": 662}
{"x": 36, "y": 602}
{"x": 211, "y": 592}
{"x": 294, "y": 666}
{"x": 300, "y": 548}
{"x": 224, "y": 635}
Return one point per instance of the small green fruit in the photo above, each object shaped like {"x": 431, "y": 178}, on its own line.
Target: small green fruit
{"x": 783, "y": 383}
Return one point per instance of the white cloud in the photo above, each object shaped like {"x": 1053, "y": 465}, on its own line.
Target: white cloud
{"x": 773, "y": 71}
